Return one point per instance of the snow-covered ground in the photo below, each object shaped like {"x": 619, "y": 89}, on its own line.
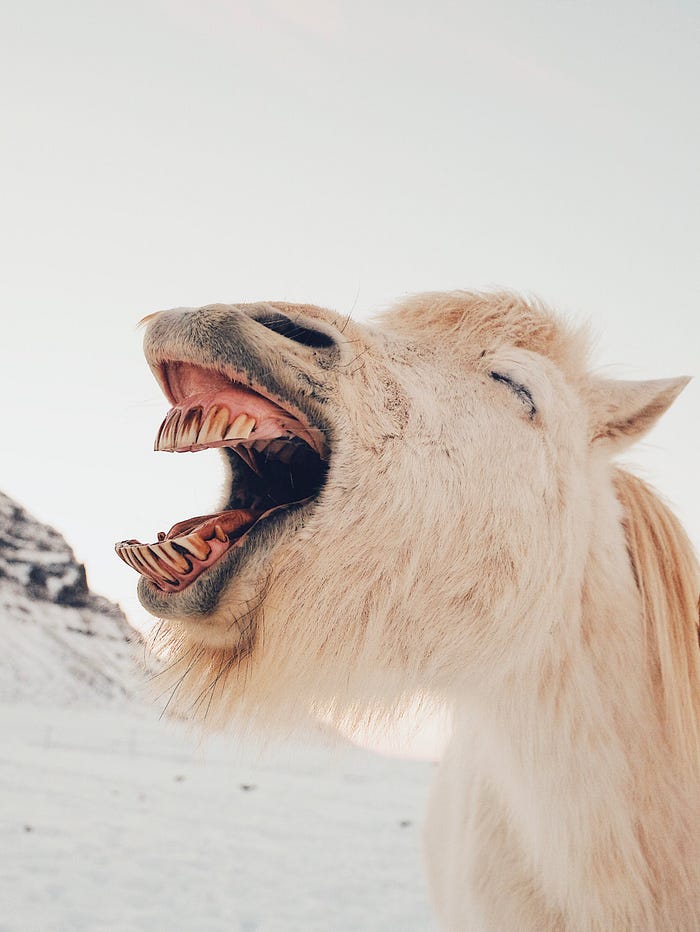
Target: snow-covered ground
{"x": 112, "y": 820}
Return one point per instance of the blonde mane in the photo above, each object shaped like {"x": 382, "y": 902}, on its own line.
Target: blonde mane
{"x": 668, "y": 578}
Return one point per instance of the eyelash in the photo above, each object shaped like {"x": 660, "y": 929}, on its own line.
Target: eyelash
{"x": 522, "y": 392}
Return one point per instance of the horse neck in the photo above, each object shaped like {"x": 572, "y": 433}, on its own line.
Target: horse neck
{"x": 574, "y": 746}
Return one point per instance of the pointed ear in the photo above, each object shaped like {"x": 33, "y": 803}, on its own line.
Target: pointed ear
{"x": 622, "y": 412}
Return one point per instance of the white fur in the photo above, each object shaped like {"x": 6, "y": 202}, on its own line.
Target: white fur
{"x": 497, "y": 560}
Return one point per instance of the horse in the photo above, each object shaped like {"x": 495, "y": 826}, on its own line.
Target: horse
{"x": 429, "y": 504}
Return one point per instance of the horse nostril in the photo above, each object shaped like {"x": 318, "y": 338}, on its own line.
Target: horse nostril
{"x": 286, "y": 327}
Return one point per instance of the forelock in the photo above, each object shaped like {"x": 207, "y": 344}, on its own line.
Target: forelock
{"x": 485, "y": 321}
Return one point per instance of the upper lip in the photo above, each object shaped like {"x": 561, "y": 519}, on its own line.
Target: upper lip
{"x": 246, "y": 352}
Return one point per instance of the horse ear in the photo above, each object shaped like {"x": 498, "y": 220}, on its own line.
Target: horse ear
{"x": 622, "y": 412}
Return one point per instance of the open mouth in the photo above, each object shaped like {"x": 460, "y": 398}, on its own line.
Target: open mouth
{"x": 278, "y": 461}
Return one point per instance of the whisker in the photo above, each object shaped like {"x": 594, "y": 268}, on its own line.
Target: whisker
{"x": 347, "y": 319}
{"x": 213, "y": 689}
{"x": 362, "y": 353}
{"x": 179, "y": 683}
{"x": 211, "y": 686}
{"x": 169, "y": 667}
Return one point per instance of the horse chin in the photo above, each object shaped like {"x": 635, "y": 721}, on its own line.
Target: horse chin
{"x": 217, "y": 611}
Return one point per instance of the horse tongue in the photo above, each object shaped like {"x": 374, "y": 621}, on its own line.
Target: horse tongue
{"x": 235, "y": 522}
{"x": 230, "y": 522}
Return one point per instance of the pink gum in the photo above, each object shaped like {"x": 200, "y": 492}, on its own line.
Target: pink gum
{"x": 271, "y": 420}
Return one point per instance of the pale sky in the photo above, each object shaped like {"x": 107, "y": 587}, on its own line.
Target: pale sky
{"x": 160, "y": 154}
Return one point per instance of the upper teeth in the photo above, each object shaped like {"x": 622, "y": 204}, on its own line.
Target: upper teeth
{"x": 183, "y": 429}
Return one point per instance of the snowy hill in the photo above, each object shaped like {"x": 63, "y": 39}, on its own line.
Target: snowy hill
{"x": 114, "y": 823}
{"x": 62, "y": 644}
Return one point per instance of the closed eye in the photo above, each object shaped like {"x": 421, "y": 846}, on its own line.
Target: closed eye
{"x": 522, "y": 392}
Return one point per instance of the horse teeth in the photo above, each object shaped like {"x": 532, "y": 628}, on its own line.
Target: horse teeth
{"x": 168, "y": 432}
{"x": 241, "y": 428}
{"x": 159, "y": 436}
{"x": 188, "y": 428}
{"x": 140, "y": 563}
{"x": 130, "y": 558}
{"x": 206, "y": 433}
{"x": 166, "y": 560}
{"x": 220, "y": 534}
{"x": 141, "y": 555}
{"x": 220, "y": 423}
{"x": 158, "y": 445}
{"x": 196, "y": 546}
{"x": 148, "y": 555}
{"x": 170, "y": 556}
{"x": 150, "y": 561}
{"x": 214, "y": 425}
{"x": 185, "y": 429}
{"x": 123, "y": 554}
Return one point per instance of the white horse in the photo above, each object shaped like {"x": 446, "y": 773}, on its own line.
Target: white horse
{"x": 430, "y": 505}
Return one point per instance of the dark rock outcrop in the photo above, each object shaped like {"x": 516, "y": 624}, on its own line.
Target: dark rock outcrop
{"x": 61, "y": 643}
